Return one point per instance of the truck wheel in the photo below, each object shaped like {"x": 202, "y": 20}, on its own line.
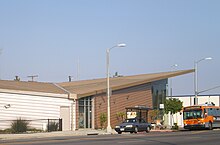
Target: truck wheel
{"x": 148, "y": 129}
{"x": 119, "y": 132}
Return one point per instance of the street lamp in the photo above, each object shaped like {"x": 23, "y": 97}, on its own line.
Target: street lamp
{"x": 171, "y": 89}
{"x": 171, "y": 92}
{"x": 196, "y": 78}
{"x": 109, "y": 129}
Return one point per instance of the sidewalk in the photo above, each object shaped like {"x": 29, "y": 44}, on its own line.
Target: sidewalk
{"x": 81, "y": 132}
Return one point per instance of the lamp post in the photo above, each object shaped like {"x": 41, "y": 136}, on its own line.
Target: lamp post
{"x": 196, "y": 78}
{"x": 171, "y": 94}
{"x": 109, "y": 129}
{"x": 171, "y": 89}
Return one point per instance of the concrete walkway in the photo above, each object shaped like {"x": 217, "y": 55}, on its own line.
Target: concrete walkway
{"x": 81, "y": 132}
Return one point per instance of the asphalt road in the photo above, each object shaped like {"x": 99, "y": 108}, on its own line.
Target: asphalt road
{"x": 204, "y": 137}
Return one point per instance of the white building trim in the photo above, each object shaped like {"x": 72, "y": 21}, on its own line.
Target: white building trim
{"x": 33, "y": 93}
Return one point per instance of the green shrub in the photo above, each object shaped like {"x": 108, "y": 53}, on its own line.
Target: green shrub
{"x": 19, "y": 126}
{"x": 175, "y": 127}
{"x": 103, "y": 119}
{"x": 6, "y": 131}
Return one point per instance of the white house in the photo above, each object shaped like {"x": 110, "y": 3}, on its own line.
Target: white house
{"x": 36, "y": 101}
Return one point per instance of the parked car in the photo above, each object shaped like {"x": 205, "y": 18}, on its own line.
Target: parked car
{"x": 133, "y": 125}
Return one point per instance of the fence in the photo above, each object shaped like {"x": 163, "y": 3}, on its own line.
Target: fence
{"x": 36, "y": 124}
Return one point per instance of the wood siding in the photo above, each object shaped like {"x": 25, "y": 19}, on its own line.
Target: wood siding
{"x": 32, "y": 108}
{"x": 129, "y": 97}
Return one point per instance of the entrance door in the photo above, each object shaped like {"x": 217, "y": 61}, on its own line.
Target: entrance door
{"x": 65, "y": 115}
{"x": 85, "y": 113}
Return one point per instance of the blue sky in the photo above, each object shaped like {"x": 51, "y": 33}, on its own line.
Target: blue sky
{"x": 48, "y": 37}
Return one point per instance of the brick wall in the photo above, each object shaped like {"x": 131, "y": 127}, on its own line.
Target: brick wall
{"x": 120, "y": 99}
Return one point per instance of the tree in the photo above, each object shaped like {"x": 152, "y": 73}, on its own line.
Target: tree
{"x": 173, "y": 106}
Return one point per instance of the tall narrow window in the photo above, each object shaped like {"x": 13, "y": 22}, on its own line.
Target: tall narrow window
{"x": 85, "y": 112}
{"x": 158, "y": 93}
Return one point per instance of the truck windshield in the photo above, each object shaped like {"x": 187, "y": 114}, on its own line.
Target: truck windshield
{"x": 192, "y": 114}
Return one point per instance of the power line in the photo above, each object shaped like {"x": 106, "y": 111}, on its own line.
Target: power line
{"x": 209, "y": 89}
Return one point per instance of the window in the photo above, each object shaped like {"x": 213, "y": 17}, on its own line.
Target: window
{"x": 143, "y": 121}
{"x": 192, "y": 114}
{"x": 130, "y": 121}
{"x": 85, "y": 112}
{"x": 158, "y": 93}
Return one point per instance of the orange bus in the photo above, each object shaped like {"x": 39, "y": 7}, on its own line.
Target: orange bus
{"x": 201, "y": 117}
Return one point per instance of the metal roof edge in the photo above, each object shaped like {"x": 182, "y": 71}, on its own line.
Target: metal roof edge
{"x": 70, "y": 95}
{"x": 180, "y": 72}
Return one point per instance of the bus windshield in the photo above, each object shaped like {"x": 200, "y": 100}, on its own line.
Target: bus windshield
{"x": 192, "y": 114}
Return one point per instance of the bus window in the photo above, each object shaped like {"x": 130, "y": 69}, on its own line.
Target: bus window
{"x": 205, "y": 113}
{"x": 211, "y": 112}
{"x": 192, "y": 114}
{"x": 198, "y": 114}
{"x": 217, "y": 112}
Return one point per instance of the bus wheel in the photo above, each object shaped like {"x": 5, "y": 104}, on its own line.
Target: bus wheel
{"x": 210, "y": 126}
